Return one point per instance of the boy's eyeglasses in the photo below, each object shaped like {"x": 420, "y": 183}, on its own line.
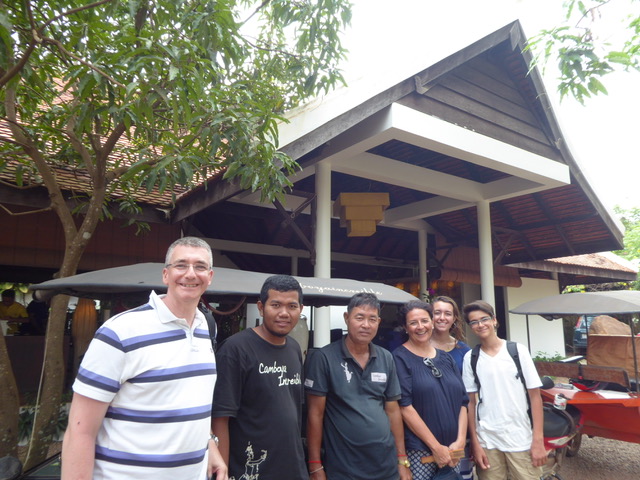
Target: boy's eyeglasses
{"x": 482, "y": 321}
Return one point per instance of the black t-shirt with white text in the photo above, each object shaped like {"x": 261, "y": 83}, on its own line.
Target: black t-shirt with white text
{"x": 259, "y": 386}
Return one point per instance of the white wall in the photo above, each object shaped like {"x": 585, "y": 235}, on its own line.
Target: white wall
{"x": 545, "y": 336}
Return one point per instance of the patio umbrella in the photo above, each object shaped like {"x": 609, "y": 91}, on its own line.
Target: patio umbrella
{"x": 227, "y": 282}
{"x": 615, "y": 302}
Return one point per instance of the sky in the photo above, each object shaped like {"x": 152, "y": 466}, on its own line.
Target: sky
{"x": 404, "y": 36}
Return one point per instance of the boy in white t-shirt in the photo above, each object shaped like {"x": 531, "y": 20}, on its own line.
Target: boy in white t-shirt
{"x": 504, "y": 442}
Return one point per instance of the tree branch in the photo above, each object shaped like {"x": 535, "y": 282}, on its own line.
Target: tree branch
{"x": 77, "y": 144}
{"x": 71, "y": 12}
{"x": 13, "y": 71}
{"x": 30, "y": 212}
{"x": 118, "y": 172}
{"x": 20, "y": 187}
{"x": 66, "y": 52}
{"x": 36, "y": 35}
{"x": 48, "y": 177}
{"x": 262, "y": 5}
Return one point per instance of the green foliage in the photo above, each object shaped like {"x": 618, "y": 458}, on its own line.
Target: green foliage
{"x": 178, "y": 88}
{"x": 544, "y": 357}
{"x": 27, "y": 415}
{"x": 631, "y": 221}
{"x": 583, "y": 57}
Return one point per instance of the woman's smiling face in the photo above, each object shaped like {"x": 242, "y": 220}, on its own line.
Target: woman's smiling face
{"x": 443, "y": 316}
{"x": 419, "y": 325}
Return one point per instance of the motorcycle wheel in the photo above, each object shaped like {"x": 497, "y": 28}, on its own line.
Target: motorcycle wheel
{"x": 574, "y": 445}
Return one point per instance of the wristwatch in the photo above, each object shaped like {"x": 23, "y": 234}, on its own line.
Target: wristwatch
{"x": 404, "y": 462}
{"x": 215, "y": 439}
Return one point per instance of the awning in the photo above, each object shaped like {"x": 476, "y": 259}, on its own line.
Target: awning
{"x": 615, "y": 302}
{"x": 227, "y": 282}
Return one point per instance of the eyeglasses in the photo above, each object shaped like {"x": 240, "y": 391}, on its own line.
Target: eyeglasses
{"x": 482, "y": 321}
{"x": 182, "y": 267}
{"x": 435, "y": 370}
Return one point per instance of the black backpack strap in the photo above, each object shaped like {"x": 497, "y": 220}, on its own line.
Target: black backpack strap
{"x": 475, "y": 352}
{"x": 213, "y": 328}
{"x": 512, "y": 348}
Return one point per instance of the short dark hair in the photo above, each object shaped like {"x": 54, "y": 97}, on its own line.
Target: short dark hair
{"x": 363, "y": 299}
{"x": 9, "y": 293}
{"x": 477, "y": 305}
{"x": 404, "y": 310}
{"x": 194, "y": 242}
{"x": 280, "y": 283}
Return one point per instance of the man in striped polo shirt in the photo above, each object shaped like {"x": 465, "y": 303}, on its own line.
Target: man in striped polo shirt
{"x": 142, "y": 398}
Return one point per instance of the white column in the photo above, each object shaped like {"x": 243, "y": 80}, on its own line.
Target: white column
{"x": 422, "y": 263}
{"x": 322, "y": 315}
{"x": 486, "y": 254}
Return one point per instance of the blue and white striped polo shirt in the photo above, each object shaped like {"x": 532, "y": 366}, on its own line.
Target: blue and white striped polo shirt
{"x": 158, "y": 376}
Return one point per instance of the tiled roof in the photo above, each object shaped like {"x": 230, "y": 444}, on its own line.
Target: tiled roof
{"x": 594, "y": 260}
{"x": 77, "y": 180}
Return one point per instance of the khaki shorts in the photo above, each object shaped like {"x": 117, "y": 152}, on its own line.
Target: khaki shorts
{"x": 512, "y": 465}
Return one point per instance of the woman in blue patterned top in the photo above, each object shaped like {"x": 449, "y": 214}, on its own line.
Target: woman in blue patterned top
{"x": 434, "y": 401}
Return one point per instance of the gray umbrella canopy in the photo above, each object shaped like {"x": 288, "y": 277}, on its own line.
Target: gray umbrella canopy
{"x": 227, "y": 282}
{"x": 589, "y": 303}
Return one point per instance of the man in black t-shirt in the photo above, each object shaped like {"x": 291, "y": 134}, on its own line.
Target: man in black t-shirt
{"x": 257, "y": 403}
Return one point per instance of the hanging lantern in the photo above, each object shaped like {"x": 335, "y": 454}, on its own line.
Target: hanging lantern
{"x": 360, "y": 212}
{"x": 84, "y": 325}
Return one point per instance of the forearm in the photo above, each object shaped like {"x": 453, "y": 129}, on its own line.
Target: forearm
{"x": 78, "y": 455}
{"x": 220, "y": 427}
{"x": 217, "y": 465}
{"x": 415, "y": 423}
{"x": 537, "y": 415}
{"x": 395, "y": 420}
{"x": 462, "y": 426}
{"x": 471, "y": 420}
{"x": 79, "y": 445}
{"x": 315, "y": 419}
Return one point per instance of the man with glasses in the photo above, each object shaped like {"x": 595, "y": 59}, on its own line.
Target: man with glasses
{"x": 505, "y": 442}
{"x": 142, "y": 398}
{"x": 352, "y": 398}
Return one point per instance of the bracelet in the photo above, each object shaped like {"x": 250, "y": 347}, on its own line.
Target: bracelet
{"x": 316, "y": 471}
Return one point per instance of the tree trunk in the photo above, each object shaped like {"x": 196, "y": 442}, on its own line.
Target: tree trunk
{"x": 48, "y": 408}
{"x": 9, "y": 404}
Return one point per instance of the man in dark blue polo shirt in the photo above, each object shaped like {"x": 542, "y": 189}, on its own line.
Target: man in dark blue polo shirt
{"x": 352, "y": 397}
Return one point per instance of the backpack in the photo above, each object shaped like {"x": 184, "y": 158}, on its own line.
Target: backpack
{"x": 512, "y": 348}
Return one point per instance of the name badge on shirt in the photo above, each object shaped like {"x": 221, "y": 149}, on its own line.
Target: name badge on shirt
{"x": 378, "y": 377}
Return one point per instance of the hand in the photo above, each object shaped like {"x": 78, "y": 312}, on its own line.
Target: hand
{"x": 216, "y": 468}
{"x": 405, "y": 472}
{"x": 538, "y": 454}
{"x": 457, "y": 445}
{"x": 442, "y": 456}
{"x": 479, "y": 456}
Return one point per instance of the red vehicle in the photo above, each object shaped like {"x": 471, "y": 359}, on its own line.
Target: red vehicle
{"x": 562, "y": 425}
{"x": 608, "y": 400}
